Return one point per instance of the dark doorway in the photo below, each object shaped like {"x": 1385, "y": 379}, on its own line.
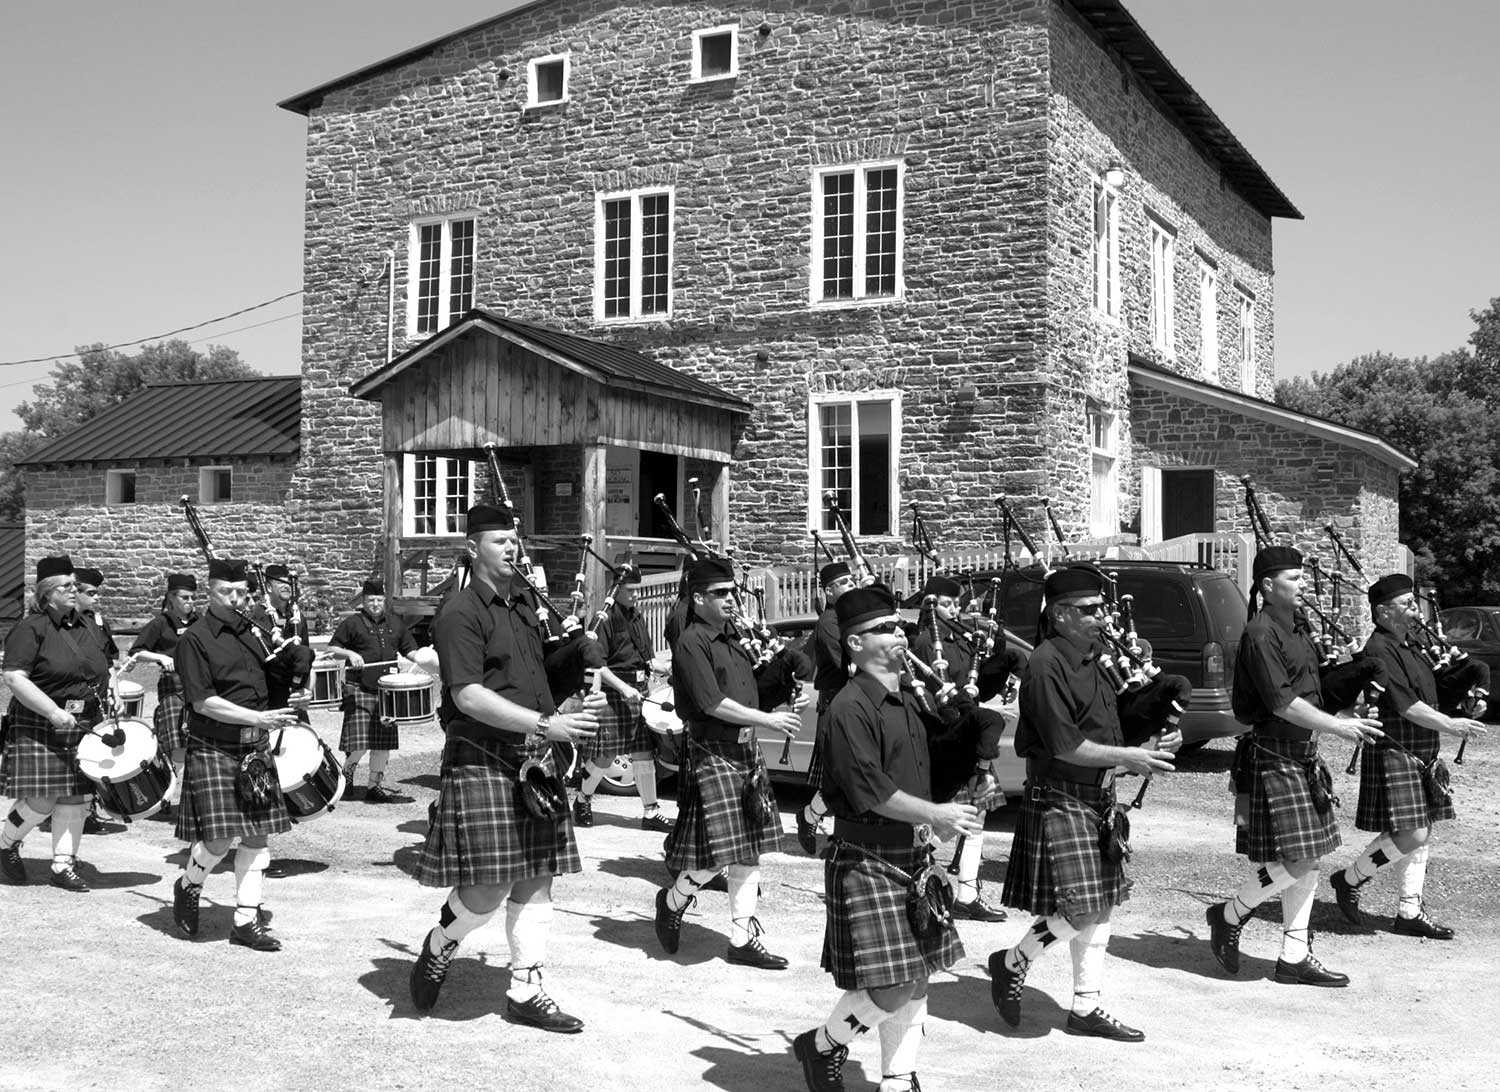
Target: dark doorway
{"x": 1187, "y": 502}
{"x": 658, "y": 475}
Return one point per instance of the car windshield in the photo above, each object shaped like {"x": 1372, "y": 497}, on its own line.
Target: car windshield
{"x": 1162, "y": 608}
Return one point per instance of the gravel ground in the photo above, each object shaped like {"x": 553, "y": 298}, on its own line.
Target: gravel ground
{"x": 102, "y": 992}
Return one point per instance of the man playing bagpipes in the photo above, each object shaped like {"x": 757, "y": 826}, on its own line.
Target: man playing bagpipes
{"x": 887, "y": 928}
{"x": 829, "y": 677}
{"x": 1067, "y": 862}
{"x": 1403, "y": 784}
{"x": 1289, "y": 820}
{"x": 277, "y": 612}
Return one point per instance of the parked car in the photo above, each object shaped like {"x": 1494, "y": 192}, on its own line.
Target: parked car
{"x": 1476, "y": 630}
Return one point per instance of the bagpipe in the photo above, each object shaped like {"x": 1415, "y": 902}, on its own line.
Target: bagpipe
{"x": 862, "y": 571}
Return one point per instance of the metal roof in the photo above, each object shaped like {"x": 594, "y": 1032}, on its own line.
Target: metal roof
{"x": 212, "y": 419}
{"x": 1108, "y": 19}
{"x": 12, "y": 570}
{"x": 604, "y": 361}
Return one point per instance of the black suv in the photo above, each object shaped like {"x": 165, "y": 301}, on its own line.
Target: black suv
{"x": 1192, "y": 617}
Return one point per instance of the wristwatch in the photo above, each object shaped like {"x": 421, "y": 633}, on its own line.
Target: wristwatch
{"x": 539, "y": 733}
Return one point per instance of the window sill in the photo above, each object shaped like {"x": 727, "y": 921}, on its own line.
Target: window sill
{"x": 551, "y": 104}
{"x": 726, "y": 77}
{"x": 1105, "y": 317}
{"x": 856, "y": 304}
{"x": 633, "y": 320}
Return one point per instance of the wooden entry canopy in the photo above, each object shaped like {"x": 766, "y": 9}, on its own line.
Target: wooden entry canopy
{"x": 490, "y": 379}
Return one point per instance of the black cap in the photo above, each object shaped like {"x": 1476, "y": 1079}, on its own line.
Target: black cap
{"x": 180, "y": 581}
{"x": 228, "y": 568}
{"x": 56, "y": 565}
{"x": 861, "y": 605}
{"x": 630, "y": 573}
{"x": 1072, "y": 581}
{"x": 372, "y": 587}
{"x": 1275, "y": 559}
{"x": 1388, "y": 587}
{"x": 92, "y": 577}
{"x": 831, "y": 572}
{"x": 488, "y": 517}
{"x": 709, "y": 570}
{"x": 278, "y": 572}
{"x": 942, "y": 585}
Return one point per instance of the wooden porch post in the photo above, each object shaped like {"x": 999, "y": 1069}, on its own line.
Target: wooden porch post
{"x": 719, "y": 516}
{"x": 592, "y": 521}
{"x": 390, "y": 567}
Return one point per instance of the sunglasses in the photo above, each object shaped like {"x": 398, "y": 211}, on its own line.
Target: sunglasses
{"x": 884, "y": 629}
{"x": 1089, "y": 610}
{"x": 719, "y": 593}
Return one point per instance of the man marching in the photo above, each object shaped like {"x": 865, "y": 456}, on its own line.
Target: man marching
{"x": 157, "y": 644}
{"x": 877, "y": 780}
{"x": 1277, "y": 690}
{"x": 1403, "y": 783}
{"x": 829, "y": 677}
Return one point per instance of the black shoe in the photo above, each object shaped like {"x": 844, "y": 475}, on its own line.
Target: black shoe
{"x": 254, "y": 936}
{"x": 1308, "y": 973}
{"x": 1103, "y": 1025}
{"x": 753, "y": 953}
{"x": 185, "y": 905}
{"x": 1421, "y": 926}
{"x": 657, "y": 822}
{"x": 583, "y": 812}
{"x": 428, "y": 972}
{"x": 379, "y": 794}
{"x": 68, "y": 879}
{"x": 1005, "y": 988}
{"x": 542, "y": 1012}
{"x": 93, "y": 825}
{"x": 823, "y": 1072}
{"x": 807, "y": 833}
{"x": 1224, "y": 938}
{"x": 11, "y": 865}
{"x": 669, "y": 921}
{"x": 1347, "y": 895}
{"x": 978, "y": 911}
{"x": 164, "y": 813}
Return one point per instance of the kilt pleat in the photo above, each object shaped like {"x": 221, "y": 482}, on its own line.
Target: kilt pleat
{"x": 170, "y": 717}
{"x": 712, "y": 830}
{"x": 1284, "y": 824}
{"x": 483, "y": 835}
{"x": 1392, "y": 794}
{"x": 1056, "y": 866}
{"x": 39, "y": 758}
{"x": 815, "y": 760}
{"x": 868, "y": 942}
{"x": 622, "y": 731}
{"x": 363, "y": 728}
{"x": 210, "y": 810}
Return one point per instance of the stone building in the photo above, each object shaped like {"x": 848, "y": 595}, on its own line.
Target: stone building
{"x": 944, "y": 251}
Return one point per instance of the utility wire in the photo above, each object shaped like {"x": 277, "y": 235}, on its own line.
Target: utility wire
{"x": 153, "y": 337}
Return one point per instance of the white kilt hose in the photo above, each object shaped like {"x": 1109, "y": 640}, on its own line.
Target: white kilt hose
{"x": 210, "y": 810}
{"x": 363, "y": 729}
{"x": 712, "y": 829}
{"x": 868, "y": 942}
{"x": 622, "y": 731}
{"x": 1393, "y": 795}
{"x": 170, "y": 718}
{"x": 483, "y": 833}
{"x": 39, "y": 759}
{"x": 1056, "y": 864}
{"x": 1284, "y": 822}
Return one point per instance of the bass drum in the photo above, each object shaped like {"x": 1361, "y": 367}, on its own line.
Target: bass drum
{"x": 666, "y": 726}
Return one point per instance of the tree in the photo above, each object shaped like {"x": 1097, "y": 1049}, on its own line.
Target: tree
{"x": 100, "y": 379}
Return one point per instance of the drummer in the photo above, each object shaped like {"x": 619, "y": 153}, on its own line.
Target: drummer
{"x": 370, "y": 642}
{"x": 156, "y": 644}
{"x": 56, "y": 669}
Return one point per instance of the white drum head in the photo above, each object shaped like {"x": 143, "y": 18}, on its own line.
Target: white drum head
{"x": 297, "y": 755}
{"x": 101, "y": 762}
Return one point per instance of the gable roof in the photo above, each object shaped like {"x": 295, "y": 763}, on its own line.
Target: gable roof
{"x": 211, "y": 419}
{"x": 601, "y": 361}
{"x": 1158, "y": 378}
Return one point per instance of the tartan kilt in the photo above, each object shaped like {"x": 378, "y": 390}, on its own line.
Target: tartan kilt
{"x": 712, "y": 830}
{"x": 1056, "y": 866}
{"x": 867, "y": 939}
{"x": 484, "y": 835}
{"x": 363, "y": 729}
{"x": 1284, "y": 824}
{"x": 815, "y": 760}
{"x": 170, "y": 718}
{"x": 210, "y": 811}
{"x": 1392, "y": 795}
{"x": 622, "y": 731}
{"x": 39, "y": 758}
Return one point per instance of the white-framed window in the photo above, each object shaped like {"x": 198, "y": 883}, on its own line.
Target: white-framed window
{"x": 853, "y": 450}
{"x": 716, "y": 53}
{"x": 1163, "y": 286}
{"x": 119, "y": 487}
{"x": 1208, "y": 319}
{"x": 440, "y": 275}
{"x": 1105, "y": 249}
{"x": 858, "y": 236}
{"x": 547, "y": 79}
{"x": 633, "y": 255}
{"x": 1104, "y": 478}
{"x": 215, "y": 485}
{"x": 1247, "y": 339}
{"x": 437, "y": 492}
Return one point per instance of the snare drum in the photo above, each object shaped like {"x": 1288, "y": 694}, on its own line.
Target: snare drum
{"x": 326, "y": 682}
{"x": 665, "y": 724}
{"x": 406, "y": 698}
{"x": 122, "y": 759}
{"x": 312, "y": 781}
{"x": 130, "y": 698}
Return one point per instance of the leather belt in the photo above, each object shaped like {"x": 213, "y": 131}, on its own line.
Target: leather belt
{"x": 722, "y": 733}
{"x": 1051, "y": 769}
{"x": 881, "y": 834}
{"x": 1280, "y": 729}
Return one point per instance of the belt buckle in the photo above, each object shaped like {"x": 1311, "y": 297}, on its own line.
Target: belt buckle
{"x": 921, "y": 835}
{"x": 74, "y": 706}
{"x": 746, "y": 734}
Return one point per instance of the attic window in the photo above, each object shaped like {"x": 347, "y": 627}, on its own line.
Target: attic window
{"x": 213, "y": 485}
{"x": 547, "y": 80}
{"x": 119, "y": 487}
{"x": 716, "y": 54}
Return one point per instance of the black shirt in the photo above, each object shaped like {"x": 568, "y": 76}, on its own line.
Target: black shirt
{"x": 876, "y": 743}
{"x": 375, "y": 642}
{"x": 709, "y": 665}
{"x": 66, "y": 659}
{"x": 1064, "y": 701}
{"x": 1409, "y": 679}
{"x": 1275, "y": 665}
{"x": 827, "y": 651}
{"x": 955, "y": 652}
{"x": 490, "y": 638}
{"x": 161, "y": 634}
{"x": 626, "y": 640}
{"x": 220, "y": 654}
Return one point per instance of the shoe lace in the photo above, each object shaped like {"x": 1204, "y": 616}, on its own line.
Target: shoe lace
{"x": 191, "y": 893}
{"x": 1015, "y": 982}
{"x": 833, "y": 1062}
{"x": 755, "y": 929}
{"x": 435, "y": 967}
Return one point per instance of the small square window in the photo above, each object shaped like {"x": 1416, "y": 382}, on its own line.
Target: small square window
{"x": 214, "y": 485}
{"x": 716, "y": 53}
{"x": 119, "y": 487}
{"x": 547, "y": 80}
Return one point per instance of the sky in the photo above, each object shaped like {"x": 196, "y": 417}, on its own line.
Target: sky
{"x": 149, "y": 181}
